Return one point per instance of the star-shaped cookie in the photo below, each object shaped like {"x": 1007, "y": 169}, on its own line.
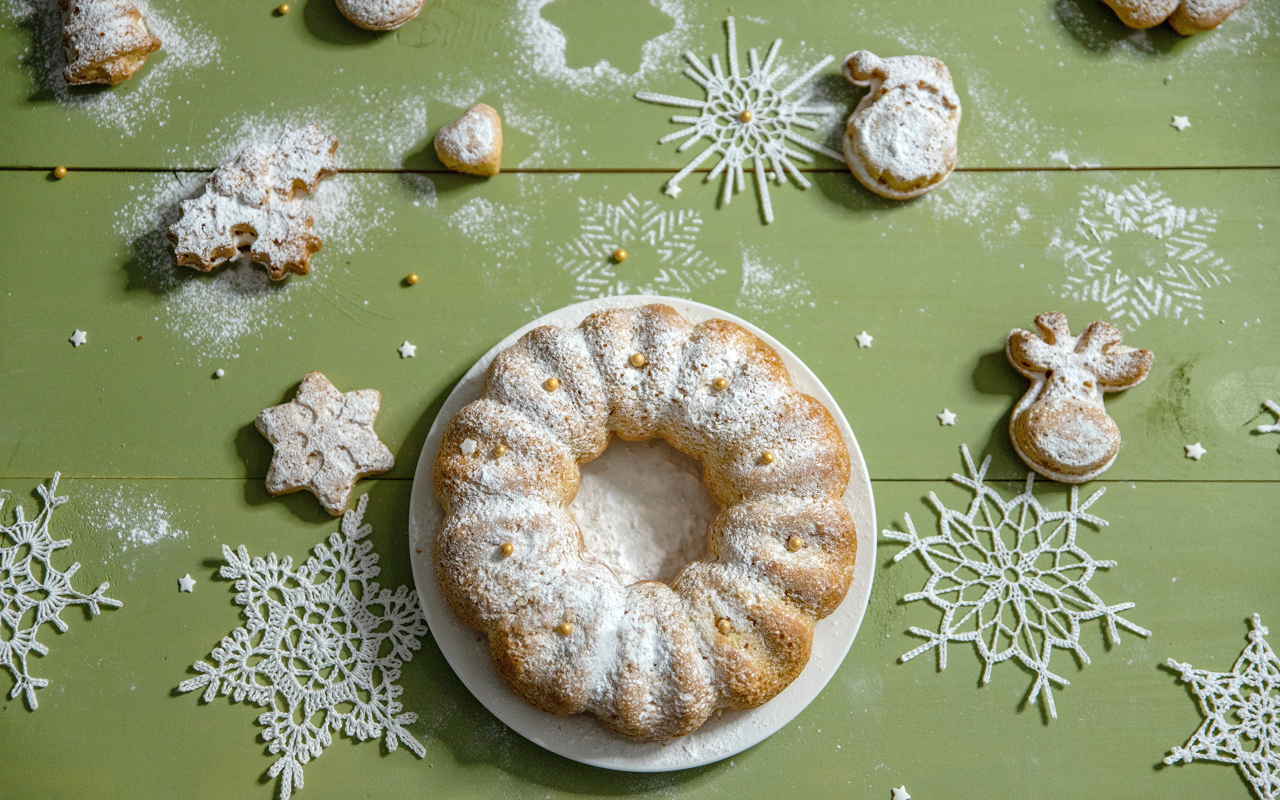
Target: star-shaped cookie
{"x": 324, "y": 442}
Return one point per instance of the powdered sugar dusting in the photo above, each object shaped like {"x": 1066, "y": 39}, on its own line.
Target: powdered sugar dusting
{"x": 644, "y": 509}
{"x": 502, "y": 229}
{"x": 134, "y": 517}
{"x": 145, "y": 97}
{"x": 768, "y": 287}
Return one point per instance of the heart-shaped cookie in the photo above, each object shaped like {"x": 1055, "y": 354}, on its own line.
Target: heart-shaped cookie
{"x": 473, "y": 144}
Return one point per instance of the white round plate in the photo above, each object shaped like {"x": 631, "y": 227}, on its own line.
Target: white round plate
{"x": 581, "y": 737}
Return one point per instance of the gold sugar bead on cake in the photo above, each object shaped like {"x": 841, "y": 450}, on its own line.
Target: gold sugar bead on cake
{"x": 724, "y": 625}
{"x": 282, "y": 9}
{"x": 794, "y": 543}
{"x": 552, "y": 384}
{"x": 766, "y": 457}
{"x": 619, "y": 255}
{"x": 507, "y": 548}
{"x": 720, "y": 384}
{"x": 746, "y": 115}
{"x": 638, "y": 360}
{"x": 411, "y": 278}
{"x": 564, "y": 628}
{"x": 59, "y": 172}
{"x": 499, "y": 450}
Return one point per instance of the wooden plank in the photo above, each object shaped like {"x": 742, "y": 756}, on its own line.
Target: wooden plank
{"x": 878, "y": 724}
{"x": 938, "y": 283}
{"x": 1050, "y": 86}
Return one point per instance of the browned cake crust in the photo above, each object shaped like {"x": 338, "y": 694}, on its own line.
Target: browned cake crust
{"x": 651, "y": 660}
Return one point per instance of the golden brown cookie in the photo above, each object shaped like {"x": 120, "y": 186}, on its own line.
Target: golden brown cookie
{"x": 900, "y": 141}
{"x": 380, "y": 15}
{"x": 249, "y": 203}
{"x": 106, "y": 40}
{"x": 1060, "y": 426}
{"x": 1188, "y": 17}
{"x": 473, "y": 144}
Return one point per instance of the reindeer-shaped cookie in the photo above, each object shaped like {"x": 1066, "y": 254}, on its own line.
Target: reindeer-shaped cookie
{"x": 1060, "y": 426}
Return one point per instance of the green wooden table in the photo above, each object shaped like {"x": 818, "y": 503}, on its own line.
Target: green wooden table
{"x": 1066, "y": 117}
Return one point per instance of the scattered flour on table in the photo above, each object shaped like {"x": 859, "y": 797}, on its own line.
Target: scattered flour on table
{"x": 989, "y": 202}
{"x": 134, "y": 517}
{"x": 502, "y": 229}
{"x": 544, "y": 48}
{"x": 145, "y": 96}
{"x": 769, "y": 287}
{"x": 644, "y": 509}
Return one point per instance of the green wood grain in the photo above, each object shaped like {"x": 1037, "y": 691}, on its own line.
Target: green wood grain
{"x": 938, "y": 283}
{"x": 110, "y": 724}
{"x": 1038, "y": 78}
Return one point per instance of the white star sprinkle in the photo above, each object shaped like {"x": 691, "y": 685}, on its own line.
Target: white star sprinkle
{"x": 77, "y": 338}
{"x": 864, "y": 339}
{"x": 468, "y": 446}
{"x": 946, "y": 417}
{"x": 1195, "y": 451}
{"x": 1181, "y": 123}
{"x": 408, "y": 350}
{"x": 901, "y": 793}
{"x": 186, "y": 583}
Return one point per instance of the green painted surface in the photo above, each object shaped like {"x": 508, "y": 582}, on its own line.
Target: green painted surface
{"x": 146, "y": 437}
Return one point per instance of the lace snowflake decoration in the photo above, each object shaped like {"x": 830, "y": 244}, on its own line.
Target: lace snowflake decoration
{"x": 1140, "y": 225}
{"x": 1009, "y": 576}
{"x": 1241, "y": 715}
{"x": 661, "y": 247}
{"x": 33, "y": 591}
{"x": 312, "y": 649}
{"x": 747, "y": 120}
{"x": 1274, "y": 408}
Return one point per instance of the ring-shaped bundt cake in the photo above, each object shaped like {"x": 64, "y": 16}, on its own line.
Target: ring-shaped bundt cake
{"x": 651, "y": 660}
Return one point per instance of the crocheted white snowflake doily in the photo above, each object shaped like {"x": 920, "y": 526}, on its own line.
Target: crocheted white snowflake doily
{"x": 311, "y": 649}
{"x": 1274, "y": 408}
{"x": 662, "y": 251}
{"x": 33, "y": 592}
{"x": 1241, "y": 715}
{"x": 746, "y": 119}
{"x": 1009, "y": 577}
{"x": 1117, "y": 234}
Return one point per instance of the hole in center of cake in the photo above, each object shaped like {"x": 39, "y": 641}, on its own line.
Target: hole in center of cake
{"x": 644, "y": 509}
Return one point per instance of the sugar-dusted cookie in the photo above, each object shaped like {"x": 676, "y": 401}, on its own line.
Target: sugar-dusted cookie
{"x": 1187, "y": 17}
{"x": 473, "y": 144}
{"x": 1060, "y": 426}
{"x": 106, "y": 40}
{"x": 380, "y": 15}
{"x": 900, "y": 141}
{"x": 324, "y": 442}
{"x": 249, "y": 202}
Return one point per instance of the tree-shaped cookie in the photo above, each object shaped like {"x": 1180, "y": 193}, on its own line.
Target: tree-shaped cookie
{"x": 1060, "y": 426}
{"x": 249, "y": 203}
{"x": 106, "y": 40}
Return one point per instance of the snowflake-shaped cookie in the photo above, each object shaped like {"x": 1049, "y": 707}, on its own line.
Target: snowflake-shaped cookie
{"x": 321, "y": 649}
{"x": 746, "y": 119}
{"x": 33, "y": 591}
{"x": 1009, "y": 577}
{"x": 1241, "y": 715}
{"x": 324, "y": 442}
{"x": 249, "y": 202}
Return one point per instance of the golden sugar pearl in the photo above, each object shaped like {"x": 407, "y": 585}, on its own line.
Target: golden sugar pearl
{"x": 499, "y": 450}
{"x": 507, "y": 549}
{"x": 746, "y": 115}
{"x": 564, "y": 628}
{"x": 638, "y": 360}
{"x": 552, "y": 384}
{"x": 724, "y": 625}
{"x": 794, "y": 543}
{"x": 720, "y": 384}
{"x": 619, "y": 255}
{"x": 282, "y": 9}
{"x": 411, "y": 278}
{"x": 59, "y": 172}
{"x": 766, "y": 457}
